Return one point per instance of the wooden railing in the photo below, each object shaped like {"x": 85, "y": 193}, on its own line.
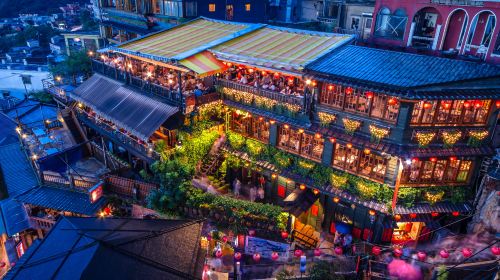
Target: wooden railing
{"x": 207, "y": 98}
{"x": 458, "y": 2}
{"x": 79, "y": 182}
{"x": 57, "y": 92}
{"x": 42, "y": 223}
{"x": 112, "y": 133}
{"x": 127, "y": 187}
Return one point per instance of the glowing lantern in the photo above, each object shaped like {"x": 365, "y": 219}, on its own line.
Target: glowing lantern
{"x": 397, "y": 217}
{"x": 367, "y": 151}
{"x": 237, "y": 256}
{"x": 338, "y": 251}
{"x": 497, "y": 103}
{"x": 107, "y": 211}
{"x": 478, "y": 104}
{"x": 316, "y": 192}
{"x": 413, "y": 215}
{"x": 330, "y": 87}
{"x": 272, "y": 121}
{"x": 218, "y": 253}
{"x": 421, "y": 256}
{"x": 314, "y": 84}
{"x": 308, "y": 82}
{"x": 301, "y": 130}
{"x": 261, "y": 118}
{"x": 336, "y": 199}
{"x": 455, "y": 213}
{"x": 427, "y": 105}
{"x": 298, "y": 253}
{"x": 467, "y": 252}
{"x": 275, "y": 256}
{"x": 348, "y": 90}
{"x": 284, "y": 234}
{"x": 392, "y": 101}
{"x": 446, "y": 105}
{"x": 349, "y": 145}
{"x": 376, "y": 250}
{"x": 332, "y": 140}
{"x": 466, "y": 104}
{"x": 274, "y": 176}
{"x": 317, "y": 252}
{"x": 453, "y": 158}
{"x": 264, "y": 73}
{"x": 224, "y": 239}
{"x": 398, "y": 252}
{"x": 413, "y": 160}
{"x": 302, "y": 187}
{"x": 444, "y": 254}
{"x": 287, "y": 126}
{"x": 434, "y": 214}
{"x": 369, "y": 94}
{"x": 256, "y": 257}
{"x": 317, "y": 135}
{"x": 495, "y": 250}
{"x": 250, "y": 70}
{"x": 371, "y": 212}
{"x": 276, "y": 74}
{"x": 433, "y": 159}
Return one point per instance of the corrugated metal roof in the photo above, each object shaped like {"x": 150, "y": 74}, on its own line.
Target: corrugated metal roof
{"x": 18, "y": 175}
{"x": 185, "y": 40}
{"x": 398, "y": 69}
{"x": 128, "y": 109}
{"x": 14, "y": 216}
{"x": 62, "y": 200}
{"x": 280, "y": 48}
{"x": 439, "y": 207}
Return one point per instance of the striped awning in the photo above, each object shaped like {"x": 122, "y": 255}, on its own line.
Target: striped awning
{"x": 280, "y": 48}
{"x": 203, "y": 64}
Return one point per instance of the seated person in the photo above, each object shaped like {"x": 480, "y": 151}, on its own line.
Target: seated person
{"x": 256, "y": 83}
{"x": 272, "y": 87}
{"x": 266, "y": 79}
{"x": 197, "y": 91}
{"x": 200, "y": 85}
{"x": 244, "y": 79}
{"x": 265, "y": 86}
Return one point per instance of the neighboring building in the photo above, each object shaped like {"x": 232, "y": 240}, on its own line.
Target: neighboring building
{"x": 233, "y": 10}
{"x": 97, "y": 248}
{"x": 404, "y": 135}
{"x": 82, "y": 41}
{"x": 453, "y": 28}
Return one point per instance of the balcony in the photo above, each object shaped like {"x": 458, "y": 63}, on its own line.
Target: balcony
{"x": 283, "y": 104}
{"x": 132, "y": 145}
{"x": 42, "y": 223}
{"x": 473, "y": 3}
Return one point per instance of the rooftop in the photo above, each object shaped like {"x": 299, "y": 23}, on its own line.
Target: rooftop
{"x": 96, "y": 248}
{"x": 398, "y": 69}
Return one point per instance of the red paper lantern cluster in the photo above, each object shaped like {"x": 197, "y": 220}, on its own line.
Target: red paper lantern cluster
{"x": 284, "y": 234}
{"x": 298, "y": 253}
{"x": 495, "y": 250}
{"x": 467, "y": 252}
{"x": 256, "y": 257}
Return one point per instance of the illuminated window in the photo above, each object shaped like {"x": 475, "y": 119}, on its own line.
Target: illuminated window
{"x": 247, "y": 7}
{"x": 211, "y": 7}
{"x": 449, "y": 171}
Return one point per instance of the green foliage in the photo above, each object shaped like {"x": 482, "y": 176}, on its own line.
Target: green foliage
{"x": 408, "y": 196}
{"x": 41, "y": 33}
{"x": 87, "y": 21}
{"x": 212, "y": 110}
{"x": 458, "y": 194}
{"x": 42, "y": 96}
{"x": 322, "y": 270}
{"x": 195, "y": 147}
{"x": 442, "y": 273}
{"x": 160, "y": 146}
{"x": 145, "y": 175}
{"x": 235, "y": 140}
{"x": 76, "y": 64}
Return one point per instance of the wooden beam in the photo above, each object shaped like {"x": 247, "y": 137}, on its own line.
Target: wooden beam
{"x": 158, "y": 63}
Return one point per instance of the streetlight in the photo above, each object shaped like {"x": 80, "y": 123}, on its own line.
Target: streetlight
{"x": 91, "y": 53}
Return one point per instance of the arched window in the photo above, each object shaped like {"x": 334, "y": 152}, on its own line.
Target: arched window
{"x": 391, "y": 26}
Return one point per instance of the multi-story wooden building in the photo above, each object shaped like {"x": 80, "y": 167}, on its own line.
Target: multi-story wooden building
{"x": 384, "y": 144}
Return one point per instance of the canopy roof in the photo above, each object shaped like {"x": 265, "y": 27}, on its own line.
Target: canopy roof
{"x": 62, "y": 200}
{"x": 280, "y": 48}
{"x": 185, "y": 40}
{"x": 128, "y": 109}
{"x": 203, "y": 64}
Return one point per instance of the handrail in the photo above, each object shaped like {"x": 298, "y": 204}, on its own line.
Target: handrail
{"x": 42, "y": 223}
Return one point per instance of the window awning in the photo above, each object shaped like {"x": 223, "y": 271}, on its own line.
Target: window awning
{"x": 128, "y": 109}
{"x": 203, "y": 64}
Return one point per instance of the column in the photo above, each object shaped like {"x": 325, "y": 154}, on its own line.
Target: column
{"x": 410, "y": 35}
{"x": 436, "y": 37}
{"x": 273, "y": 134}
{"x": 326, "y": 159}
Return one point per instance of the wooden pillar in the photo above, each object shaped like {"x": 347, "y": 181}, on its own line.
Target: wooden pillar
{"x": 396, "y": 186}
{"x": 273, "y": 134}
{"x": 179, "y": 82}
{"x": 326, "y": 158}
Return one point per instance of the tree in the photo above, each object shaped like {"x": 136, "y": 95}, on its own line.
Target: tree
{"x": 323, "y": 270}
{"x": 88, "y": 23}
{"x": 77, "y": 64}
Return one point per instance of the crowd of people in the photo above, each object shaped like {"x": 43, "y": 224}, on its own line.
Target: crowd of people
{"x": 268, "y": 81}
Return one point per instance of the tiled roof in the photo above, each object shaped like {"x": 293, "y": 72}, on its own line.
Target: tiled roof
{"x": 128, "y": 109}
{"x": 397, "y": 69}
{"x": 185, "y": 40}
{"x": 280, "y": 48}
{"x": 14, "y": 216}
{"x": 18, "y": 175}
{"x": 8, "y": 133}
{"x": 62, "y": 199}
{"x": 439, "y": 207}
{"x": 96, "y": 248}
{"x": 33, "y": 113}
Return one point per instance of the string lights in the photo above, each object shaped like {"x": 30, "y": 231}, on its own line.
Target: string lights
{"x": 476, "y": 137}
{"x": 451, "y": 137}
{"x": 326, "y": 119}
{"x": 377, "y": 133}
{"x": 424, "y": 138}
{"x": 351, "y": 126}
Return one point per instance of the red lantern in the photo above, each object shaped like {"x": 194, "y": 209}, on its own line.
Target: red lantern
{"x": 251, "y": 232}
{"x": 427, "y": 105}
{"x": 284, "y": 234}
{"x": 330, "y": 87}
{"x": 397, "y": 217}
{"x": 237, "y": 256}
{"x": 392, "y": 101}
{"x": 317, "y": 252}
{"x": 376, "y": 250}
{"x": 256, "y": 257}
{"x": 218, "y": 253}
{"x": 298, "y": 253}
{"x": 302, "y": 187}
{"x": 444, "y": 254}
{"x": 316, "y": 191}
{"x": 348, "y": 90}
{"x": 455, "y": 213}
{"x": 433, "y": 159}
{"x": 413, "y": 215}
{"x": 275, "y": 256}
{"x": 467, "y": 252}
{"x": 497, "y": 103}
{"x": 421, "y": 256}
{"x": 369, "y": 94}
{"x": 107, "y": 211}
{"x": 434, "y": 214}
{"x": 336, "y": 199}
{"x": 224, "y": 239}
{"x": 453, "y": 158}
{"x": 466, "y": 104}
{"x": 398, "y": 252}
{"x": 478, "y": 104}
{"x": 338, "y": 251}
{"x": 495, "y": 250}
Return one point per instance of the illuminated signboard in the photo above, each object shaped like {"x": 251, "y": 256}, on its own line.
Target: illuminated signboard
{"x": 95, "y": 193}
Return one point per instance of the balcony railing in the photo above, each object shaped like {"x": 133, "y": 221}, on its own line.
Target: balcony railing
{"x": 458, "y": 2}
{"x": 42, "y": 223}
{"x": 276, "y": 96}
{"x": 57, "y": 92}
{"x": 112, "y": 133}
{"x": 171, "y": 97}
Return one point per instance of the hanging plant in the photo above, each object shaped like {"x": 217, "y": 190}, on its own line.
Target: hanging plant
{"x": 424, "y": 138}
{"x": 451, "y": 137}
{"x": 326, "y": 119}
{"x": 476, "y": 137}
{"x": 377, "y": 133}
{"x": 351, "y": 126}
{"x": 434, "y": 196}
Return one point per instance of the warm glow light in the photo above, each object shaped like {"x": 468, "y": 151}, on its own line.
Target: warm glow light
{"x": 453, "y": 158}
{"x": 47, "y": 121}
{"x": 466, "y": 104}
{"x": 24, "y": 136}
{"x": 250, "y": 70}
{"x": 372, "y": 212}
{"x": 58, "y": 78}
{"x": 434, "y": 214}
{"x": 316, "y": 191}
{"x": 91, "y": 53}
{"x": 369, "y": 94}
{"x": 129, "y": 65}
{"x": 413, "y": 160}
{"x": 413, "y": 215}
{"x": 392, "y": 101}
{"x": 301, "y": 130}
{"x": 348, "y": 90}
{"x": 408, "y": 161}
{"x": 332, "y": 140}
{"x": 397, "y": 217}
{"x": 349, "y": 145}
{"x": 330, "y": 87}
{"x": 149, "y": 74}
{"x": 103, "y": 57}
{"x": 287, "y": 126}
{"x": 317, "y": 135}
{"x": 455, "y": 213}
{"x": 478, "y": 104}
{"x": 261, "y": 118}
{"x": 427, "y": 105}
{"x": 272, "y": 121}
{"x": 367, "y": 151}
{"x": 170, "y": 81}
{"x": 433, "y": 159}
{"x": 288, "y": 181}
{"x": 18, "y": 129}
{"x": 314, "y": 84}
{"x": 274, "y": 176}
{"x": 34, "y": 157}
{"x": 336, "y": 199}
{"x": 308, "y": 82}
{"x": 302, "y": 187}
{"x": 497, "y": 103}
{"x": 80, "y": 105}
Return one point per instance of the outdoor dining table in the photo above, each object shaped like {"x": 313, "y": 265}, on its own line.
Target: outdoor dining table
{"x": 44, "y": 140}
{"x": 39, "y": 132}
